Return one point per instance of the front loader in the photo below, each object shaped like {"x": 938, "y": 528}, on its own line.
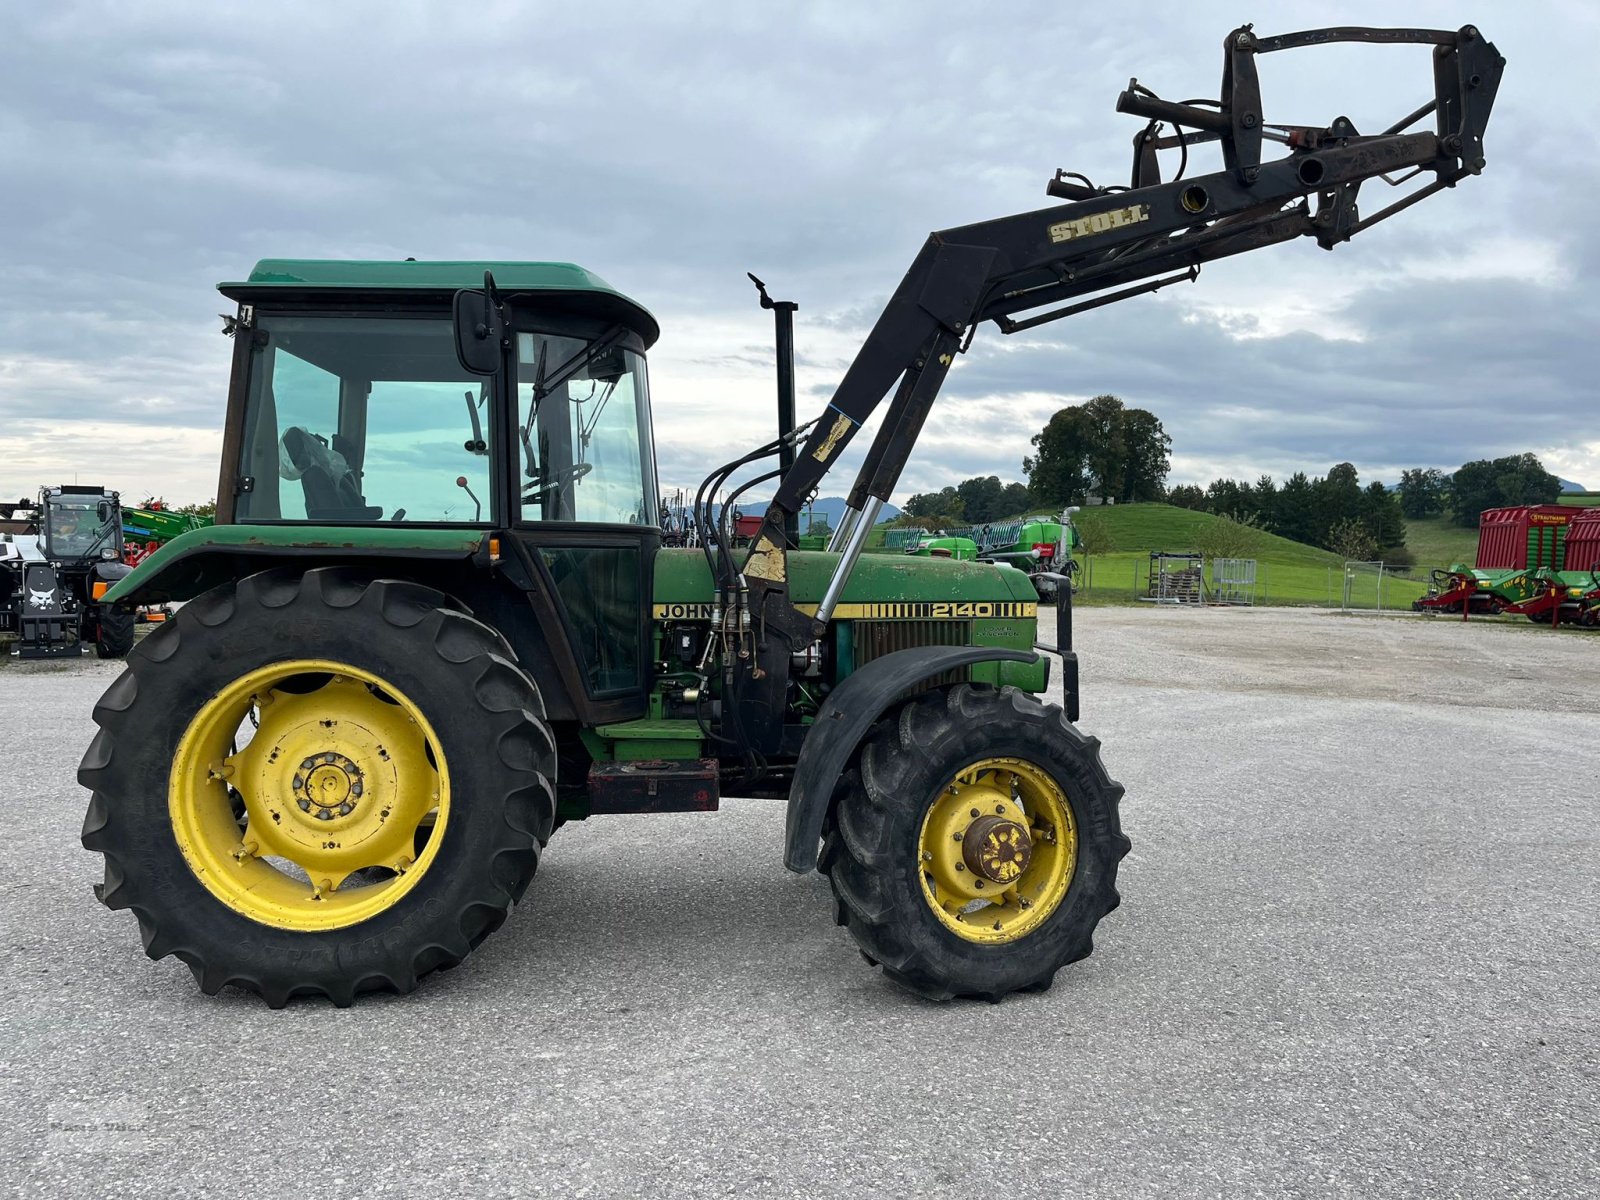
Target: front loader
{"x": 435, "y": 619}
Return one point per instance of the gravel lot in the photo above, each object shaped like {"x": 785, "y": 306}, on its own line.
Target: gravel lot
{"x": 1357, "y": 955}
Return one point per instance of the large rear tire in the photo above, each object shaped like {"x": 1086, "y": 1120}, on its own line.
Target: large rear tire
{"x": 318, "y": 784}
{"x": 974, "y": 848}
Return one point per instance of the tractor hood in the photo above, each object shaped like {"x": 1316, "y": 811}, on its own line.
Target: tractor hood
{"x": 683, "y": 579}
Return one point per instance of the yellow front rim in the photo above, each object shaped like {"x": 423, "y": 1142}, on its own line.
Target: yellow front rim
{"x": 299, "y": 791}
{"x": 998, "y": 850}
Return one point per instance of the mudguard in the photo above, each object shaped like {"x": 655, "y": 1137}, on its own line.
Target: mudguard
{"x": 846, "y": 715}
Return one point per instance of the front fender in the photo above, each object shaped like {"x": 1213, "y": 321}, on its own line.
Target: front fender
{"x": 846, "y": 715}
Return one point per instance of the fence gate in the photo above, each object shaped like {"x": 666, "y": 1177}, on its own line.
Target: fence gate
{"x": 1233, "y": 581}
{"x": 1363, "y": 585}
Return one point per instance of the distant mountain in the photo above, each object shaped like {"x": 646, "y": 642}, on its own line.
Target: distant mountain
{"x": 832, "y": 507}
{"x": 1568, "y": 486}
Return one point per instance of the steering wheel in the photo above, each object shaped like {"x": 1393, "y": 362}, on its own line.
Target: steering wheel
{"x": 545, "y": 484}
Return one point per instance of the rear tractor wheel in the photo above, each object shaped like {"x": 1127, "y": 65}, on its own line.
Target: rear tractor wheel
{"x": 975, "y": 847}
{"x": 316, "y": 784}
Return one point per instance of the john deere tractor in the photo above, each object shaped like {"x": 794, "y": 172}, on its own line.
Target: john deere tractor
{"x": 435, "y": 620}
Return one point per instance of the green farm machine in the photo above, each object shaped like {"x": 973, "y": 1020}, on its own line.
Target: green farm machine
{"x": 435, "y": 619}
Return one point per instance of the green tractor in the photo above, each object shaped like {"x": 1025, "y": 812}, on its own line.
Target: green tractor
{"x": 435, "y": 620}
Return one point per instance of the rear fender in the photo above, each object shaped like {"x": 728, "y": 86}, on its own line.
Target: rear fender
{"x": 849, "y": 711}
{"x": 203, "y": 558}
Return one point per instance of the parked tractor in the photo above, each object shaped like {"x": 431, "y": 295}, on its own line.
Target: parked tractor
{"x": 419, "y": 640}
{"x": 55, "y": 603}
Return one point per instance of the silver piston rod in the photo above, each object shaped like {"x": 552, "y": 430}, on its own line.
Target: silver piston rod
{"x": 867, "y": 518}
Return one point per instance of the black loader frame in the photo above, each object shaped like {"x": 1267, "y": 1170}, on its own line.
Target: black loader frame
{"x": 1107, "y": 244}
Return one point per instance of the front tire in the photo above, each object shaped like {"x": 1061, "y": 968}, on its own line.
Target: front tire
{"x": 283, "y": 856}
{"x": 975, "y": 846}
{"x": 115, "y": 638}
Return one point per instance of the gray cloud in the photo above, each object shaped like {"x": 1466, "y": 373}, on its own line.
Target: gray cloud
{"x": 154, "y": 151}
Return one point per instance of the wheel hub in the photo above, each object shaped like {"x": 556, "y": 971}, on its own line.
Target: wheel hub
{"x": 996, "y": 848}
{"x": 328, "y": 785}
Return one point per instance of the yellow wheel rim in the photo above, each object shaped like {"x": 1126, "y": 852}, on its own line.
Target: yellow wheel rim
{"x": 998, "y": 850}
{"x": 294, "y": 781}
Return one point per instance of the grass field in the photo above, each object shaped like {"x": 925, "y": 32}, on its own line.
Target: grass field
{"x": 1438, "y": 543}
{"x": 1286, "y": 572}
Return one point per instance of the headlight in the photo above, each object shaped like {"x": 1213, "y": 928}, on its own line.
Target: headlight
{"x": 109, "y": 552}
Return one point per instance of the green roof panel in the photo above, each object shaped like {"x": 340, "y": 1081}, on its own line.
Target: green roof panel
{"x": 554, "y": 280}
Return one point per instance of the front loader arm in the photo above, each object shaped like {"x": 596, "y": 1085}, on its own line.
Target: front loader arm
{"x": 1110, "y": 243}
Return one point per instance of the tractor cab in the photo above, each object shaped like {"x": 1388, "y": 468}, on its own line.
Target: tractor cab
{"x": 80, "y": 524}
{"x": 351, "y": 406}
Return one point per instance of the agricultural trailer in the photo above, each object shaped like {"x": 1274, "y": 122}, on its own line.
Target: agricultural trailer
{"x": 399, "y": 672}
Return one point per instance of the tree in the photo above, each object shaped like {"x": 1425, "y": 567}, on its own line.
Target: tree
{"x": 1383, "y": 518}
{"x": 1485, "y": 483}
{"x": 1350, "y": 540}
{"x": 982, "y": 498}
{"x": 819, "y": 526}
{"x": 944, "y": 504}
{"x": 1058, "y": 473}
{"x": 1297, "y": 509}
{"x": 1338, "y": 499}
{"x": 1106, "y": 454}
{"x": 1188, "y": 495}
{"x": 1015, "y": 499}
{"x": 1266, "y": 503}
{"x": 1122, "y": 453}
{"x": 1094, "y": 533}
{"x": 1147, "y": 456}
{"x": 1422, "y": 492}
{"x": 1227, "y": 537}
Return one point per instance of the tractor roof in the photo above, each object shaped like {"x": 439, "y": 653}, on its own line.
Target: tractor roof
{"x": 564, "y": 284}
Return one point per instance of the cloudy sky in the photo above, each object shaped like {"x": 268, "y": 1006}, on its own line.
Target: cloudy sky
{"x": 151, "y": 150}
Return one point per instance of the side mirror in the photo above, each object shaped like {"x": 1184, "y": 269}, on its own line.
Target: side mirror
{"x": 104, "y": 512}
{"x": 480, "y": 328}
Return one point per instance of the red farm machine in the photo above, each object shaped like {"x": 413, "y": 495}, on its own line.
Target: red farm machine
{"x": 1537, "y": 561}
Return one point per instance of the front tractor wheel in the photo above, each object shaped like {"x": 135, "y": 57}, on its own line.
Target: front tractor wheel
{"x": 316, "y": 784}
{"x": 116, "y": 634}
{"x": 975, "y": 847}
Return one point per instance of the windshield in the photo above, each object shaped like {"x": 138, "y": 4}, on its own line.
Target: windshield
{"x": 73, "y": 527}
{"x": 355, "y": 420}
{"x": 583, "y": 418}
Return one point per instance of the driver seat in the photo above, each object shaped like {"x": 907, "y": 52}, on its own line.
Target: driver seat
{"x": 331, "y": 490}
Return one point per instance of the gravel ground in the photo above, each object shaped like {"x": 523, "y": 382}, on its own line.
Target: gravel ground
{"x": 1356, "y": 957}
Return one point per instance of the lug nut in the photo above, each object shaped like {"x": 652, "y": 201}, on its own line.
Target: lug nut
{"x": 979, "y": 882}
{"x": 961, "y": 866}
{"x": 975, "y": 813}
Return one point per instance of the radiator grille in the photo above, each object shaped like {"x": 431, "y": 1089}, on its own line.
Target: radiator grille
{"x": 874, "y": 639}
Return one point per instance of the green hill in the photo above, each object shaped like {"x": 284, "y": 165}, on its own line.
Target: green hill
{"x": 1147, "y": 527}
{"x": 1438, "y": 543}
